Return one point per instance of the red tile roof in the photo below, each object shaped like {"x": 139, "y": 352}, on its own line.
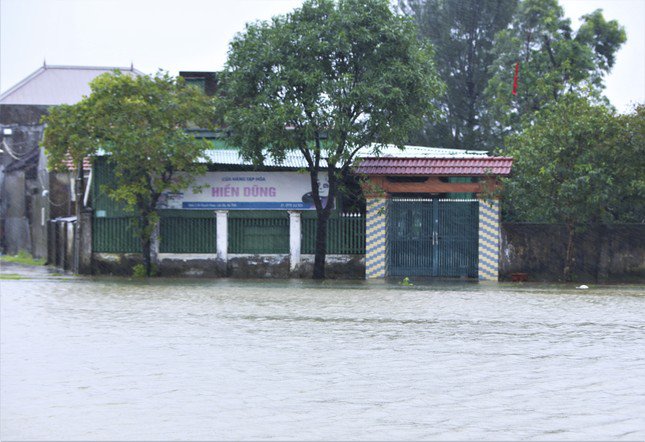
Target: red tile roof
{"x": 71, "y": 165}
{"x": 436, "y": 166}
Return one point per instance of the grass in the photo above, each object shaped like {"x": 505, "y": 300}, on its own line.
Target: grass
{"x": 10, "y": 276}
{"x": 22, "y": 258}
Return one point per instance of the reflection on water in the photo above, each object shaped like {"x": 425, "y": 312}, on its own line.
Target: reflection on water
{"x": 99, "y": 359}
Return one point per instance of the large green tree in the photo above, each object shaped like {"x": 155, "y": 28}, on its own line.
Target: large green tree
{"x": 463, "y": 35}
{"x": 139, "y": 124}
{"x": 326, "y": 80}
{"x": 553, "y": 60}
{"x": 577, "y": 164}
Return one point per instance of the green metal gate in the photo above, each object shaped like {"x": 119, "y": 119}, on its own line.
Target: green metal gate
{"x": 432, "y": 237}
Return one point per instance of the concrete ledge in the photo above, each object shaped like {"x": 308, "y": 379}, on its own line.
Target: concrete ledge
{"x": 120, "y": 264}
{"x": 191, "y": 265}
{"x": 336, "y": 266}
{"x": 238, "y": 265}
{"x": 258, "y": 266}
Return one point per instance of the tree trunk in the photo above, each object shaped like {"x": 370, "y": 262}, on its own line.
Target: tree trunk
{"x": 146, "y": 243}
{"x": 323, "y": 212}
{"x": 147, "y": 262}
{"x": 568, "y": 260}
{"x": 321, "y": 244}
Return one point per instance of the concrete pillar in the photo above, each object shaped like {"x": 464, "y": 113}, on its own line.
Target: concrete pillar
{"x": 375, "y": 229}
{"x": 295, "y": 235}
{"x": 222, "y": 235}
{"x": 489, "y": 240}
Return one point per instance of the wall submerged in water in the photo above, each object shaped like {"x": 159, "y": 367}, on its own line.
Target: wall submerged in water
{"x": 602, "y": 253}
{"x": 237, "y": 266}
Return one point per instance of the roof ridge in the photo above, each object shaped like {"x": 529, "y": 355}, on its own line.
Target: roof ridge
{"x": 97, "y": 68}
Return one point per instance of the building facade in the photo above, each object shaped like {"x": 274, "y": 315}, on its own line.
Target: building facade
{"x": 424, "y": 212}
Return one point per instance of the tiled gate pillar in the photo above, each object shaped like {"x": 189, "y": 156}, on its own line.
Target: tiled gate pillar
{"x": 375, "y": 227}
{"x": 488, "y": 240}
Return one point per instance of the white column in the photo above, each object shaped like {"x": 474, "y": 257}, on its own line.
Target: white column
{"x": 295, "y": 229}
{"x": 222, "y": 234}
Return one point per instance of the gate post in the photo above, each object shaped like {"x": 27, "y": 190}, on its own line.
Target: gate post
{"x": 221, "y": 224}
{"x": 295, "y": 229}
{"x": 488, "y": 240}
{"x": 375, "y": 232}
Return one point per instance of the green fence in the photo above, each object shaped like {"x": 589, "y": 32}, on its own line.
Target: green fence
{"x": 258, "y": 234}
{"x": 345, "y": 234}
{"x": 251, "y": 233}
{"x": 187, "y": 235}
{"x": 115, "y": 235}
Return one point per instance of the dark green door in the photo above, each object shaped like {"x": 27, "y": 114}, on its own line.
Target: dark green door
{"x": 432, "y": 237}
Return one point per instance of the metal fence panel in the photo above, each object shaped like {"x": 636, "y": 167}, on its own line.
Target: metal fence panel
{"x": 345, "y": 234}
{"x": 432, "y": 237}
{"x": 457, "y": 238}
{"x": 115, "y": 235}
{"x": 258, "y": 235}
{"x": 187, "y": 235}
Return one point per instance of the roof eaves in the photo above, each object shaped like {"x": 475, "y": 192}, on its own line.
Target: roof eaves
{"x": 21, "y": 83}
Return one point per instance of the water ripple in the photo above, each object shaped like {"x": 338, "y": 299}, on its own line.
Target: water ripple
{"x": 99, "y": 359}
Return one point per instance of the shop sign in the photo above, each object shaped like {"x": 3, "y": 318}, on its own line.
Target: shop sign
{"x": 248, "y": 191}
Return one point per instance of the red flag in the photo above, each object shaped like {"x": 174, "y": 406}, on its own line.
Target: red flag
{"x": 515, "y": 77}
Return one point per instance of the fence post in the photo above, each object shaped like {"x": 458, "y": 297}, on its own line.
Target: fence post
{"x": 488, "y": 240}
{"x": 221, "y": 226}
{"x": 375, "y": 234}
{"x": 295, "y": 233}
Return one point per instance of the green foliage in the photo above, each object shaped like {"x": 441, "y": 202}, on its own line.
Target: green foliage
{"x": 554, "y": 60}
{"x": 326, "y": 80}
{"x": 463, "y": 34}
{"x": 23, "y": 257}
{"x": 577, "y": 163}
{"x": 558, "y": 173}
{"x": 139, "y": 124}
{"x": 139, "y": 271}
{"x": 10, "y": 277}
{"x": 628, "y": 157}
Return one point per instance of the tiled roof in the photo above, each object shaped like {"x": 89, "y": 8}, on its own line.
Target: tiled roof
{"x": 71, "y": 165}
{"x": 436, "y": 166}
{"x": 55, "y": 85}
{"x": 376, "y": 151}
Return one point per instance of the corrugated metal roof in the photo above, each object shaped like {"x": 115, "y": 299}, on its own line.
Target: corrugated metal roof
{"x": 436, "y": 166}
{"x": 55, "y": 85}
{"x": 294, "y": 159}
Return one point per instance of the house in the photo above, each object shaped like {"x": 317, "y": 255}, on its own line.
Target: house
{"x": 418, "y": 212}
{"x": 29, "y": 194}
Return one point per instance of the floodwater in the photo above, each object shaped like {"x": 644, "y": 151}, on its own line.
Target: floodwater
{"x": 117, "y": 359}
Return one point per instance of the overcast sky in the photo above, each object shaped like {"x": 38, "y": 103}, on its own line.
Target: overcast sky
{"x": 194, "y": 35}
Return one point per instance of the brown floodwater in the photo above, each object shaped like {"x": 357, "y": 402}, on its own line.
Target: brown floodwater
{"x": 179, "y": 359}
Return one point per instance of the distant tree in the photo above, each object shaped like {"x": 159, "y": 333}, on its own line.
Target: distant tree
{"x": 326, "y": 80}
{"x": 553, "y": 61}
{"x": 628, "y": 160}
{"x": 577, "y": 163}
{"x": 139, "y": 124}
{"x": 463, "y": 35}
